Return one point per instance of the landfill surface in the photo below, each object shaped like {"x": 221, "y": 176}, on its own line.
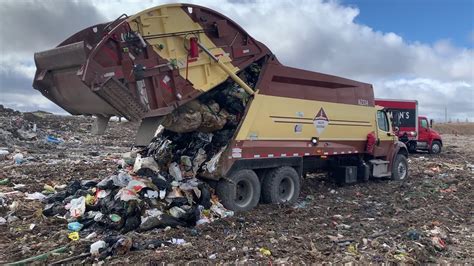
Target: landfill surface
{"x": 426, "y": 218}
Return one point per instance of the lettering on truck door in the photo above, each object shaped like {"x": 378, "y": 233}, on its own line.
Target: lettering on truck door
{"x": 384, "y": 137}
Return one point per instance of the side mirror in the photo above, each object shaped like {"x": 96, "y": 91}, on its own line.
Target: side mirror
{"x": 431, "y": 122}
{"x": 396, "y": 129}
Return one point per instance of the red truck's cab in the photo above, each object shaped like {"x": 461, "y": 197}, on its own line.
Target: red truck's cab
{"x": 428, "y": 138}
{"x": 414, "y": 130}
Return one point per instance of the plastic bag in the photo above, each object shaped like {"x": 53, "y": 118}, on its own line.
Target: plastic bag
{"x": 35, "y": 196}
{"x": 78, "y": 207}
{"x": 95, "y": 247}
{"x": 126, "y": 194}
{"x": 122, "y": 179}
{"x": 75, "y": 226}
{"x": 175, "y": 171}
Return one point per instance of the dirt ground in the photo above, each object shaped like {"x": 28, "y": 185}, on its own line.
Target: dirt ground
{"x": 426, "y": 218}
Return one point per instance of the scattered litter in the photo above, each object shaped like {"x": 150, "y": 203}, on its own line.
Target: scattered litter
{"x": 438, "y": 243}
{"x": 115, "y": 218}
{"x": 35, "y": 196}
{"x": 178, "y": 241}
{"x": 74, "y": 236}
{"x": 3, "y": 154}
{"x": 413, "y": 234}
{"x": 18, "y": 158}
{"x": 19, "y": 186}
{"x": 91, "y": 235}
{"x": 96, "y": 247}
{"x": 75, "y": 226}
{"x": 78, "y": 207}
{"x": 52, "y": 139}
{"x": 48, "y": 189}
{"x": 265, "y": 252}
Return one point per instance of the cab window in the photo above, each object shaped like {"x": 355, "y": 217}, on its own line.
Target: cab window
{"x": 382, "y": 121}
{"x": 424, "y": 123}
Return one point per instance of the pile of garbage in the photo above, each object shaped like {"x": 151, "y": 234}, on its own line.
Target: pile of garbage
{"x": 159, "y": 186}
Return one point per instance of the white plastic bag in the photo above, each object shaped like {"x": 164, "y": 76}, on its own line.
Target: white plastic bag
{"x": 78, "y": 207}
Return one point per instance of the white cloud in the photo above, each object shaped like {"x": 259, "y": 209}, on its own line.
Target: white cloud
{"x": 323, "y": 36}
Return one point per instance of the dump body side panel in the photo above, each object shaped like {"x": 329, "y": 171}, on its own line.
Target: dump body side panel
{"x": 283, "y": 81}
{"x": 273, "y": 118}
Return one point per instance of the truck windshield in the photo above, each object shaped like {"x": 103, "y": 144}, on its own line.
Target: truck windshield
{"x": 382, "y": 121}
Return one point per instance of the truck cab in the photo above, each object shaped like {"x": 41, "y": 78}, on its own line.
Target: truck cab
{"x": 428, "y": 138}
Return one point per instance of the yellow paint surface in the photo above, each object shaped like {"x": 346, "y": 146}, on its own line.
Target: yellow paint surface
{"x": 166, "y": 19}
{"x": 275, "y": 118}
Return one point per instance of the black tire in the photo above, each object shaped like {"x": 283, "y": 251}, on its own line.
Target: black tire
{"x": 400, "y": 168}
{"x": 239, "y": 192}
{"x": 435, "y": 147}
{"x": 281, "y": 185}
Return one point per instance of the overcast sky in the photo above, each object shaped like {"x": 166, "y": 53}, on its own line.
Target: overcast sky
{"x": 325, "y": 36}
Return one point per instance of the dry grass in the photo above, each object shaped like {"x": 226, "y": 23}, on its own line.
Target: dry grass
{"x": 455, "y": 128}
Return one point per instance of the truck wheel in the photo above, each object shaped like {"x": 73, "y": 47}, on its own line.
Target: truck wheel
{"x": 435, "y": 147}
{"x": 281, "y": 185}
{"x": 240, "y": 192}
{"x": 400, "y": 167}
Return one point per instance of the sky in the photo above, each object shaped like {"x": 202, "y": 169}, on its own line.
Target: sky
{"x": 408, "y": 49}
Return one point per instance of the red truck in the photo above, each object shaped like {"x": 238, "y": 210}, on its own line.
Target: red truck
{"x": 412, "y": 129}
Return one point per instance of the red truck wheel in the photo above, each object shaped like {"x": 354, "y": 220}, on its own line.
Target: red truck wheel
{"x": 240, "y": 191}
{"x": 281, "y": 185}
{"x": 435, "y": 147}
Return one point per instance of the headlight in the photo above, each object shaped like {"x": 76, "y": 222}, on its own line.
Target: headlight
{"x": 314, "y": 141}
{"x": 413, "y": 133}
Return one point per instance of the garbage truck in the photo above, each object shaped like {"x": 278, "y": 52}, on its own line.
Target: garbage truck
{"x": 216, "y": 104}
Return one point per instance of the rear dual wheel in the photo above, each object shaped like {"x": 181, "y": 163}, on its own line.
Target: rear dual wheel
{"x": 241, "y": 191}
{"x": 281, "y": 185}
